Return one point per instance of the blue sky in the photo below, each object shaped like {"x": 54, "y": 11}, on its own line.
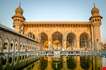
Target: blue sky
{"x": 73, "y": 10}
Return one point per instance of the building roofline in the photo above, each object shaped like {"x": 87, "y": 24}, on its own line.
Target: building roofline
{"x": 57, "y": 22}
{"x": 12, "y": 31}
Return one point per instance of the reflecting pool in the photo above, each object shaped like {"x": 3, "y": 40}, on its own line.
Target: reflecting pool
{"x": 67, "y": 63}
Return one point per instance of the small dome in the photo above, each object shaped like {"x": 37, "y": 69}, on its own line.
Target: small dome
{"x": 19, "y": 10}
{"x": 94, "y": 10}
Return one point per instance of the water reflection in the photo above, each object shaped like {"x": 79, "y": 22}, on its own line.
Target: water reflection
{"x": 57, "y": 65}
{"x": 85, "y": 62}
{"x": 68, "y": 63}
{"x": 43, "y": 64}
{"x": 71, "y": 63}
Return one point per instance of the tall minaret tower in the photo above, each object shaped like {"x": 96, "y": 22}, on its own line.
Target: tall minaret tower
{"x": 18, "y": 20}
{"x": 95, "y": 20}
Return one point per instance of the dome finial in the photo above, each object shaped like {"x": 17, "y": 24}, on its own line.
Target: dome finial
{"x": 94, "y": 9}
{"x": 19, "y": 3}
{"x": 19, "y": 10}
{"x": 94, "y": 5}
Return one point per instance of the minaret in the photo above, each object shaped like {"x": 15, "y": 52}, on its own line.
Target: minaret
{"x": 18, "y": 20}
{"x": 95, "y": 20}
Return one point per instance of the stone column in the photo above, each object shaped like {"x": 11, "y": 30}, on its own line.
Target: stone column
{"x": 50, "y": 41}
{"x": 64, "y": 41}
{"x": 49, "y": 37}
{"x": 77, "y": 42}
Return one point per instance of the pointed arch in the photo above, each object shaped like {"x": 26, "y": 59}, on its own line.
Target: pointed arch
{"x": 6, "y": 45}
{"x": 12, "y": 45}
{"x": 31, "y": 35}
{"x": 57, "y": 36}
{"x": 16, "y": 45}
{"x": 43, "y": 38}
{"x": 71, "y": 39}
{"x": 84, "y": 40}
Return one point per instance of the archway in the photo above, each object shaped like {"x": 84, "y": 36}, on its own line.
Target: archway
{"x": 44, "y": 39}
{"x": 1, "y": 45}
{"x": 57, "y": 38}
{"x": 71, "y": 39}
{"x": 31, "y": 35}
{"x": 84, "y": 41}
{"x": 6, "y": 45}
{"x": 12, "y": 46}
{"x": 16, "y": 46}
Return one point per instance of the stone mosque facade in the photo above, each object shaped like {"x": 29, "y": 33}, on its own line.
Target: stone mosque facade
{"x": 57, "y": 35}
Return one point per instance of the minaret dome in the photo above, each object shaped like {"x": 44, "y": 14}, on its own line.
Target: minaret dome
{"x": 19, "y": 10}
{"x": 94, "y": 10}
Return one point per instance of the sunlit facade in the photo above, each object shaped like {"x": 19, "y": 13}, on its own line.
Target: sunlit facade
{"x": 61, "y": 35}
{"x": 51, "y": 45}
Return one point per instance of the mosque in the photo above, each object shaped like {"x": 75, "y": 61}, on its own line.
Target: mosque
{"x": 57, "y": 35}
{"x": 18, "y": 47}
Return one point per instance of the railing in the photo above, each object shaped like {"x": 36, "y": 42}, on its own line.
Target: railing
{"x": 20, "y": 59}
{"x": 68, "y": 53}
